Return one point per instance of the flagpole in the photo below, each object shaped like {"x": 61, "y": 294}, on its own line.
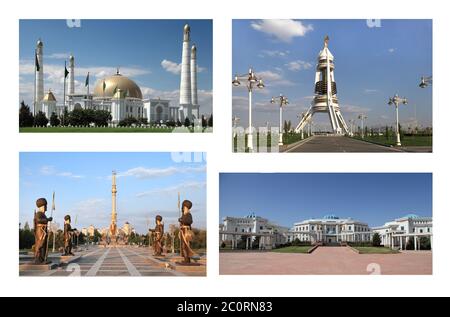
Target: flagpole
{"x": 34, "y": 102}
{"x": 87, "y": 82}
{"x": 181, "y": 215}
{"x": 48, "y": 235}
{"x": 64, "y": 100}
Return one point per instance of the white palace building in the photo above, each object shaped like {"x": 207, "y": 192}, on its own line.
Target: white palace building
{"x": 328, "y": 230}
{"x": 119, "y": 94}
{"x": 250, "y": 227}
{"x": 397, "y": 233}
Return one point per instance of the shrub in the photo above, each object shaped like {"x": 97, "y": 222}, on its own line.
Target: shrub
{"x": 25, "y": 116}
{"x": 54, "y": 120}
{"x": 376, "y": 239}
{"x": 40, "y": 120}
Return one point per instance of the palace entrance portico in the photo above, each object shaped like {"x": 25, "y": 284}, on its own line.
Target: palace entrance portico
{"x": 399, "y": 239}
{"x": 265, "y": 239}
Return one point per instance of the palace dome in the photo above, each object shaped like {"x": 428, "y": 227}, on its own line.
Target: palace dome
{"x": 49, "y": 97}
{"x": 120, "y": 82}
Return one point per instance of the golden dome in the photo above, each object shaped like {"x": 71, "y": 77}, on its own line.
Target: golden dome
{"x": 115, "y": 82}
{"x": 49, "y": 97}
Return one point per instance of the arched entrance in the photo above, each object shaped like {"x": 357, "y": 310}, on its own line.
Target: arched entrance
{"x": 159, "y": 113}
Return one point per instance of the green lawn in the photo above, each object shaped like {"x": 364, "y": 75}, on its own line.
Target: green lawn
{"x": 287, "y": 139}
{"x": 290, "y": 138}
{"x": 375, "y": 250}
{"x": 409, "y": 140}
{"x": 95, "y": 130}
{"x": 293, "y": 249}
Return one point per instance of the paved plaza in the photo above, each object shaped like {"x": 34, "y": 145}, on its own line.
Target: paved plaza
{"x": 330, "y": 143}
{"x": 326, "y": 260}
{"x": 120, "y": 261}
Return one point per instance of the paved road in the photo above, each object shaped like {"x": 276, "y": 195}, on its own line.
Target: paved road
{"x": 326, "y": 260}
{"x": 121, "y": 261}
{"x": 321, "y": 143}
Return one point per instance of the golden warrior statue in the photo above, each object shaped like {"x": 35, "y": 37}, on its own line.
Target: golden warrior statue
{"x": 68, "y": 236}
{"x": 158, "y": 234}
{"x": 186, "y": 233}
{"x": 41, "y": 232}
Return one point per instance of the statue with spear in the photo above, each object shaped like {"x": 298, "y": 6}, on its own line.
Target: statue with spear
{"x": 50, "y": 220}
{"x": 41, "y": 232}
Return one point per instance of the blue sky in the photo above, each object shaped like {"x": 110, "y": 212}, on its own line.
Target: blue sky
{"x": 372, "y": 64}
{"x": 147, "y": 185}
{"x": 147, "y": 51}
{"x": 288, "y": 198}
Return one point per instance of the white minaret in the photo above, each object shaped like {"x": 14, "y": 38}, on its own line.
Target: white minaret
{"x": 194, "y": 68}
{"x": 185, "y": 85}
{"x": 325, "y": 98}
{"x": 39, "y": 79}
{"x": 194, "y": 75}
{"x": 71, "y": 75}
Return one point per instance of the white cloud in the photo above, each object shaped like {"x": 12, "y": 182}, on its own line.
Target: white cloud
{"x": 56, "y": 71}
{"x": 58, "y": 56}
{"x": 298, "y": 65}
{"x": 185, "y": 187}
{"x": 354, "y": 109}
{"x": 148, "y": 173}
{"x": 175, "y": 68}
{"x": 370, "y": 91}
{"x": 392, "y": 50}
{"x": 54, "y": 77}
{"x": 271, "y": 78}
{"x": 171, "y": 67}
{"x": 91, "y": 211}
{"x": 274, "y": 53}
{"x": 283, "y": 30}
{"x": 49, "y": 170}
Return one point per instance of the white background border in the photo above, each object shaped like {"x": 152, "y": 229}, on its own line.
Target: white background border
{"x": 218, "y": 145}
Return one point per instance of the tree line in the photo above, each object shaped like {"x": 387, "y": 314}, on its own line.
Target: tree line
{"x": 87, "y": 117}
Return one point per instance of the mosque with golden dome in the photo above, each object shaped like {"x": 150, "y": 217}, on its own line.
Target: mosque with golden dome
{"x": 120, "y": 95}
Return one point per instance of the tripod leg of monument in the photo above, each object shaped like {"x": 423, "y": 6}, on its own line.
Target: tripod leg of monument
{"x": 301, "y": 125}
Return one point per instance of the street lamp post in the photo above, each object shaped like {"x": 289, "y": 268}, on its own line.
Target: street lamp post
{"x": 352, "y": 123}
{"x": 283, "y": 101}
{"x": 235, "y": 121}
{"x": 301, "y": 116}
{"x": 362, "y": 117}
{"x": 425, "y": 81}
{"x": 252, "y": 80}
{"x": 396, "y": 100}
